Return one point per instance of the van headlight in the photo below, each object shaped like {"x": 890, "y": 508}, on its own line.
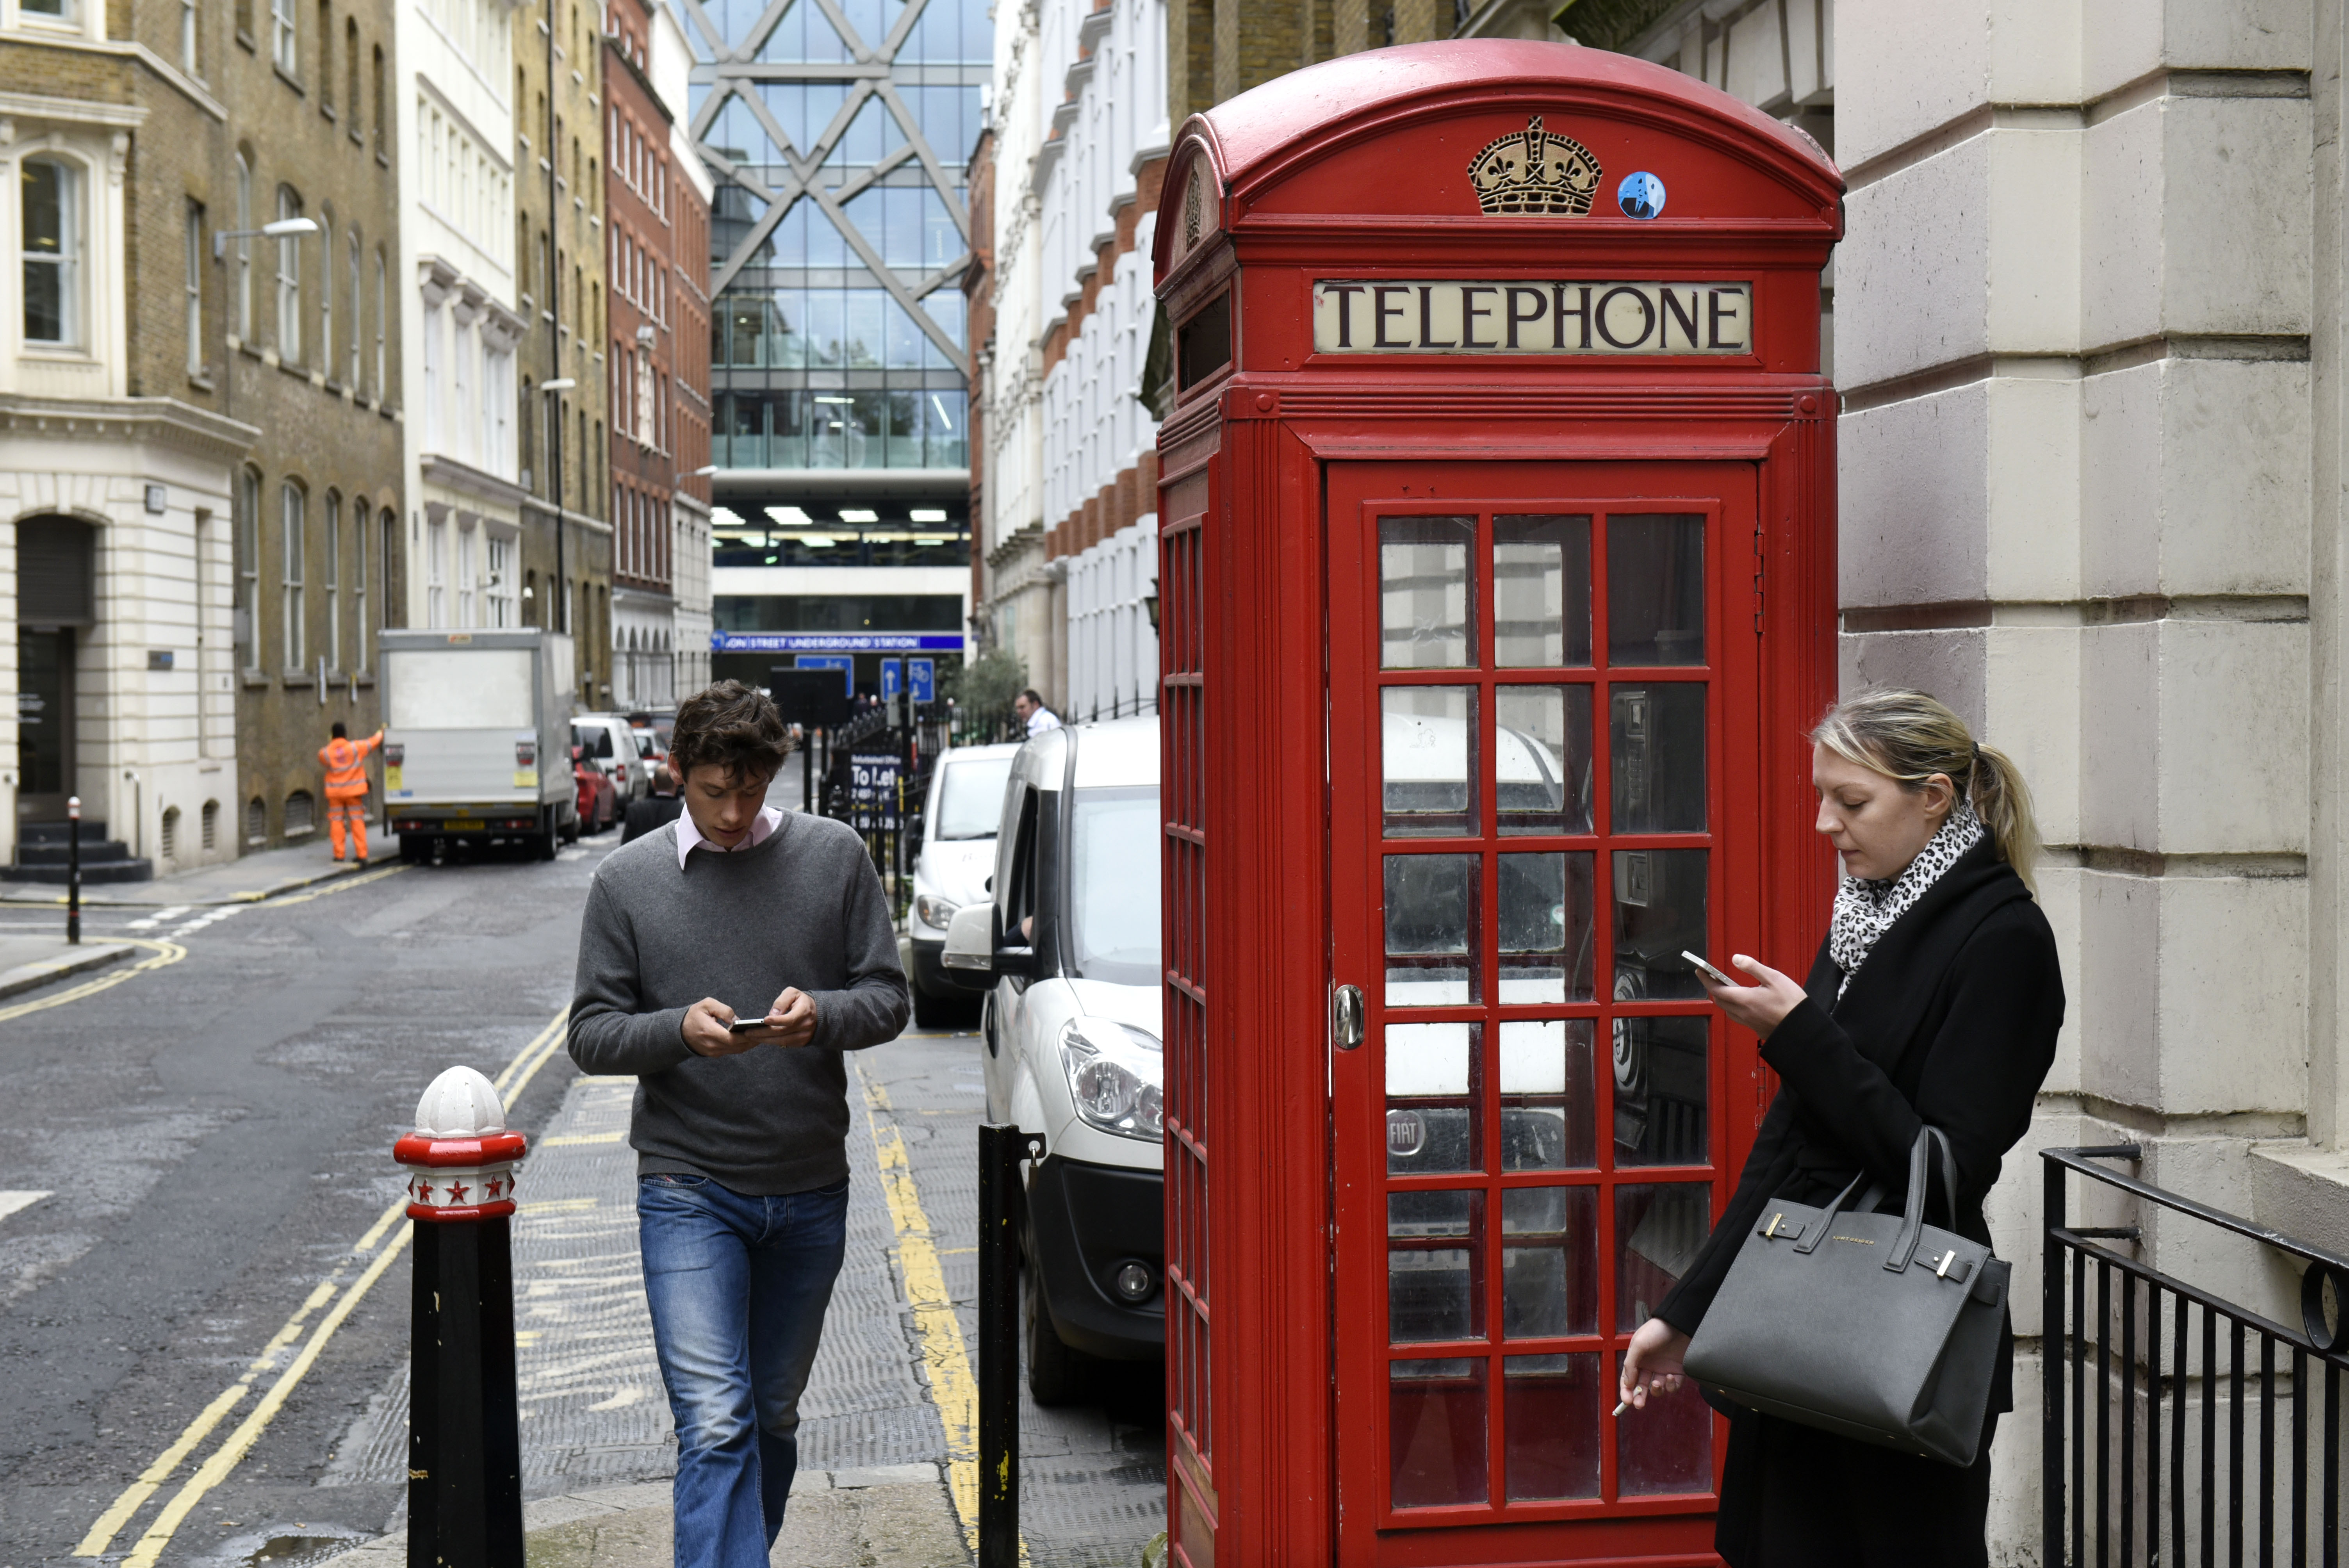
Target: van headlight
{"x": 934, "y": 912}
{"x": 1116, "y": 1075}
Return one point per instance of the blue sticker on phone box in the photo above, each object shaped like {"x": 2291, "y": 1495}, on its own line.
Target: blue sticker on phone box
{"x": 1642, "y": 195}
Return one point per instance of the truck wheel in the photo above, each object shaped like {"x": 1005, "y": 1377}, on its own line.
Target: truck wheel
{"x": 570, "y": 830}
{"x": 1056, "y": 1374}
{"x": 545, "y": 842}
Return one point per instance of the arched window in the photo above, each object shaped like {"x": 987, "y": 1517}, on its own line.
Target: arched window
{"x": 382, "y": 135}
{"x": 248, "y": 568}
{"x": 50, "y": 212}
{"x": 170, "y": 834}
{"x": 289, "y": 280}
{"x": 330, "y": 579}
{"x": 211, "y": 825}
{"x": 355, "y": 305}
{"x": 351, "y": 77}
{"x": 291, "y": 508}
{"x": 256, "y": 821}
{"x": 243, "y": 304}
{"x": 300, "y": 813}
{"x": 327, "y": 57}
{"x": 382, "y": 310}
{"x": 326, "y": 291}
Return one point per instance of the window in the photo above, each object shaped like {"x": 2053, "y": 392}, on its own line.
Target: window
{"x": 247, "y": 619}
{"x": 436, "y": 548}
{"x": 285, "y": 42}
{"x": 195, "y": 288}
{"x": 327, "y": 294}
{"x": 289, "y": 281}
{"x": 382, "y": 141}
{"x": 51, "y": 215}
{"x": 211, "y": 823}
{"x": 351, "y": 75}
{"x": 189, "y": 60}
{"x": 466, "y": 577}
{"x": 326, "y": 58}
{"x": 332, "y": 581}
{"x": 244, "y": 250}
{"x": 382, "y": 304}
{"x": 290, "y": 515}
{"x": 360, "y": 583}
{"x": 244, "y": 22}
{"x": 55, "y": 10}
{"x": 502, "y": 554}
{"x": 351, "y": 293}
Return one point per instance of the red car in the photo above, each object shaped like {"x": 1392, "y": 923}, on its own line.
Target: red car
{"x": 599, "y": 798}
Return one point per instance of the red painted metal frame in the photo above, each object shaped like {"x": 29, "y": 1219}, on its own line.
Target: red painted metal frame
{"x": 1356, "y": 169}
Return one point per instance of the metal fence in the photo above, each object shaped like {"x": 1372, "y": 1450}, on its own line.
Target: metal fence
{"x": 875, "y": 772}
{"x": 2153, "y": 1453}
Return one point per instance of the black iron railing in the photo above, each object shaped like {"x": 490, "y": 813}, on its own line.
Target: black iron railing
{"x": 2128, "y": 1482}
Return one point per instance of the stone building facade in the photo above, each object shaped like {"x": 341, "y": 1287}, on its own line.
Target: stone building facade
{"x": 658, "y": 258}
{"x": 198, "y": 464}
{"x": 557, "y": 224}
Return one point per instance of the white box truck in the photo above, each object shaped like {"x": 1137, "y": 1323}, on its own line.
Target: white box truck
{"x": 477, "y": 739}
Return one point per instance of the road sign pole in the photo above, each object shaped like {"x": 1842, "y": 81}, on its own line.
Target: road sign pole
{"x": 1002, "y": 1148}
{"x": 73, "y": 871}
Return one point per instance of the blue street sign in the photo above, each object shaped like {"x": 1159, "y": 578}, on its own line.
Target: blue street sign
{"x": 893, "y": 672}
{"x": 846, "y": 664}
{"x": 921, "y": 675}
{"x": 835, "y": 642}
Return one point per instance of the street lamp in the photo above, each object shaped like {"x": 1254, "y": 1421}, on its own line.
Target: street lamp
{"x": 283, "y": 229}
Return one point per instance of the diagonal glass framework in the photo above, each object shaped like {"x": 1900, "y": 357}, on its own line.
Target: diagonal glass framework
{"x": 839, "y": 133}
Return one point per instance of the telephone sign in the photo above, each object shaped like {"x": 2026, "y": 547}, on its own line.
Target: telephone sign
{"x": 1497, "y": 584}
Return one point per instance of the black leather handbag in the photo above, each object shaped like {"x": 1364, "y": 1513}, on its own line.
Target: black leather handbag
{"x": 1877, "y": 1328}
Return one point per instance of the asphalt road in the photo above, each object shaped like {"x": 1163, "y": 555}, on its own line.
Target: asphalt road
{"x": 212, "y": 1138}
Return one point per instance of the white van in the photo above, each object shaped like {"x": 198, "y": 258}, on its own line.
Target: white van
{"x": 951, "y": 868}
{"x": 1069, "y": 948}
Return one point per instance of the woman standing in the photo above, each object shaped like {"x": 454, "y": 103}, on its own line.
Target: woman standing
{"x": 1935, "y": 1000}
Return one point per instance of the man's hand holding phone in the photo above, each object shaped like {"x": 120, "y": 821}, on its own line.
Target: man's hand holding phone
{"x": 711, "y": 1028}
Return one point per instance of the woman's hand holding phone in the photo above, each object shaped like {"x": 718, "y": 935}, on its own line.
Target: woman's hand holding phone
{"x": 1761, "y": 1007}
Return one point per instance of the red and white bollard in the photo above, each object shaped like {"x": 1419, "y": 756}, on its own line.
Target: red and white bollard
{"x": 464, "y": 1438}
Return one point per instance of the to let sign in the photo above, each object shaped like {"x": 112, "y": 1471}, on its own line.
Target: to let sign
{"x": 1517, "y": 316}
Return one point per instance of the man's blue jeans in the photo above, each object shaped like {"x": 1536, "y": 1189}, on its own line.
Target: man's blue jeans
{"x": 738, "y": 1287}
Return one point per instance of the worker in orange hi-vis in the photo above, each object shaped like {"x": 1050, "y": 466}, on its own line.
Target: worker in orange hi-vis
{"x": 344, "y": 761}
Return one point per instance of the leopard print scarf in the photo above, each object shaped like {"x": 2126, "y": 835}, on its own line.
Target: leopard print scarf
{"x": 1864, "y": 910}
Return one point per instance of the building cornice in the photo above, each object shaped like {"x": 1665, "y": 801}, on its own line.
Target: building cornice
{"x": 164, "y": 421}
{"x": 440, "y": 470}
{"x": 172, "y": 76}
{"x": 542, "y": 512}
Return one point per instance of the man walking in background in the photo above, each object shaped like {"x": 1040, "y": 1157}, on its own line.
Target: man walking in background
{"x": 344, "y": 761}
{"x": 1029, "y": 709}
{"x": 740, "y": 1120}
{"x": 656, "y": 809}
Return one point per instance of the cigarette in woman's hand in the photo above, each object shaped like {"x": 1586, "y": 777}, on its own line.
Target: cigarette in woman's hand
{"x": 1621, "y": 1407}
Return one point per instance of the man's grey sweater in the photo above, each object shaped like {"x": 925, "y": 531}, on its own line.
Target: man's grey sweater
{"x": 803, "y": 909}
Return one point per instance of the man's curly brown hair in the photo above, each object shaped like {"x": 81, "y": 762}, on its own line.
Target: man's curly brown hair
{"x": 733, "y": 727}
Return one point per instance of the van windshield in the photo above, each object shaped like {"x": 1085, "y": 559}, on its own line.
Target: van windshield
{"x": 1113, "y": 885}
{"x": 970, "y": 798}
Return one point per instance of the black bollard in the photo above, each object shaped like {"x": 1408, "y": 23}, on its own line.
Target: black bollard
{"x": 1000, "y": 1195}
{"x": 465, "y": 1436}
{"x": 73, "y": 871}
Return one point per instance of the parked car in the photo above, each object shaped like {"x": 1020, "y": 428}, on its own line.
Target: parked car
{"x": 599, "y": 798}
{"x": 951, "y": 868}
{"x": 651, "y": 731}
{"x": 610, "y": 743}
{"x": 1069, "y": 948}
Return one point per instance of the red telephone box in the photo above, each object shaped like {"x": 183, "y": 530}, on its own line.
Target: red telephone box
{"x": 1497, "y": 588}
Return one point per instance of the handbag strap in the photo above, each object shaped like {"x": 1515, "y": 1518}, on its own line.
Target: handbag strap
{"x": 1809, "y": 1244}
{"x": 1913, "y": 1216}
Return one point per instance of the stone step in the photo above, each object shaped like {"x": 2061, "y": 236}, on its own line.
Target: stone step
{"x": 55, "y": 833}
{"x": 118, "y": 871}
{"x": 93, "y": 853}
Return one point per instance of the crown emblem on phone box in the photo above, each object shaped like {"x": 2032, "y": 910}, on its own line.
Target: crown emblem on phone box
{"x": 1534, "y": 171}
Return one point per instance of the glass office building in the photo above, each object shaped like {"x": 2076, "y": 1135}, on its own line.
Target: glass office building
{"x": 838, "y": 133}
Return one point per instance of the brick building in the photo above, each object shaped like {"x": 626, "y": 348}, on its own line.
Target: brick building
{"x": 204, "y": 439}
{"x": 557, "y": 223}
{"x": 656, "y": 235}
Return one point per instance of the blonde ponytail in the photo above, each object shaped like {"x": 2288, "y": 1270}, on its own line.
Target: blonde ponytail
{"x": 1909, "y": 737}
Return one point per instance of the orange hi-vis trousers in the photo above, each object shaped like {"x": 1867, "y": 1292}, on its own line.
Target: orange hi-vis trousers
{"x": 351, "y": 809}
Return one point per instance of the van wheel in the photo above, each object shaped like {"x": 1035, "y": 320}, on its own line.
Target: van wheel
{"x": 1056, "y": 1374}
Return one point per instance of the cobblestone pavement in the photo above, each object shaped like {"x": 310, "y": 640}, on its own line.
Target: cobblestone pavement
{"x": 594, "y": 1414}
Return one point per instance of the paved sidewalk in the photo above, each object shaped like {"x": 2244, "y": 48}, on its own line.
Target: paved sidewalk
{"x": 29, "y": 961}
{"x": 242, "y": 880}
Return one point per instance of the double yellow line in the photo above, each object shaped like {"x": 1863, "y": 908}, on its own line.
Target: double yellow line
{"x": 232, "y": 1452}
{"x": 166, "y": 954}
{"x": 943, "y": 1350}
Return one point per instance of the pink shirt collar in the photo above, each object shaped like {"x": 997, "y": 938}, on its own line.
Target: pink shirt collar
{"x": 689, "y": 836}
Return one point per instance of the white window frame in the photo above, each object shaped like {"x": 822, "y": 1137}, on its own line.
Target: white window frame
{"x": 194, "y": 287}
{"x": 73, "y": 185}
{"x": 382, "y": 311}
{"x": 326, "y": 292}
{"x": 289, "y": 281}
{"x": 332, "y": 583}
{"x": 285, "y": 39}
{"x": 357, "y": 309}
{"x": 242, "y": 312}
{"x": 293, "y": 507}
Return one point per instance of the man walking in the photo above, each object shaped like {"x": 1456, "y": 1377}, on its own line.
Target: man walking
{"x": 344, "y": 761}
{"x": 654, "y": 810}
{"x": 740, "y": 1131}
{"x": 1029, "y": 709}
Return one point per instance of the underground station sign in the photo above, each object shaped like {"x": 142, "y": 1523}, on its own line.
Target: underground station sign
{"x": 1518, "y": 316}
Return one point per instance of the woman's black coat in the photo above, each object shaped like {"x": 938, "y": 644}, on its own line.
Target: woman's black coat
{"x": 1951, "y": 1021}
